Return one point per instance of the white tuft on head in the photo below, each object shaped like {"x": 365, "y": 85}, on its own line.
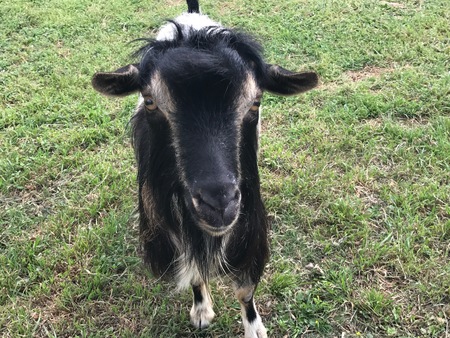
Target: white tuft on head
{"x": 188, "y": 21}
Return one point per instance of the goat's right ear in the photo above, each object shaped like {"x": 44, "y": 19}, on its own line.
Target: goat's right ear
{"x": 121, "y": 82}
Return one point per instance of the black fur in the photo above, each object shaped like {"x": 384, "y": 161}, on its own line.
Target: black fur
{"x": 210, "y": 41}
{"x": 193, "y": 6}
{"x": 198, "y": 296}
{"x": 250, "y": 310}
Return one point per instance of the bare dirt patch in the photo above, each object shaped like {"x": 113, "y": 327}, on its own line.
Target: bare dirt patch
{"x": 172, "y": 3}
{"x": 366, "y": 72}
{"x": 394, "y": 4}
{"x": 355, "y": 76}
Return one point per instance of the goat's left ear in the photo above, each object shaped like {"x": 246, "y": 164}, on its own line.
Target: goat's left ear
{"x": 121, "y": 82}
{"x": 284, "y": 82}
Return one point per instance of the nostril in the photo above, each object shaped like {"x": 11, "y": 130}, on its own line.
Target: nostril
{"x": 199, "y": 201}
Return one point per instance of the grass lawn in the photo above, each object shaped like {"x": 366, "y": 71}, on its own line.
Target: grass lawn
{"x": 355, "y": 174}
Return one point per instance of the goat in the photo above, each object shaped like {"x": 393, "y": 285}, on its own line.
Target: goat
{"x": 196, "y": 134}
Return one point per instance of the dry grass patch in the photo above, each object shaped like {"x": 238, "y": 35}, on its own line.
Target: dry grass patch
{"x": 353, "y": 77}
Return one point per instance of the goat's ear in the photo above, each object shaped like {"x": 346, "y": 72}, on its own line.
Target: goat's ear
{"x": 121, "y": 82}
{"x": 284, "y": 82}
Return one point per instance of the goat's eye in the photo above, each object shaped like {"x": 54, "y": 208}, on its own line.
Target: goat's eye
{"x": 150, "y": 103}
{"x": 255, "y": 106}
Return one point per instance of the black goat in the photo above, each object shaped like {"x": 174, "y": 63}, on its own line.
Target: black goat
{"x": 195, "y": 133}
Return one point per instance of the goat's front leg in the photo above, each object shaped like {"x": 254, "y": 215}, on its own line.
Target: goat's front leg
{"x": 201, "y": 312}
{"x": 253, "y": 326}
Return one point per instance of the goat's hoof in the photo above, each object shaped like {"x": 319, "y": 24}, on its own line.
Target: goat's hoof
{"x": 201, "y": 316}
{"x": 255, "y": 329}
{"x": 257, "y": 334}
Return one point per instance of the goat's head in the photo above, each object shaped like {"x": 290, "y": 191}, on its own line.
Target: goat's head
{"x": 207, "y": 88}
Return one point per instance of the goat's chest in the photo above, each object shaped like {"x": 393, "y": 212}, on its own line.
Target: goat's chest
{"x": 197, "y": 264}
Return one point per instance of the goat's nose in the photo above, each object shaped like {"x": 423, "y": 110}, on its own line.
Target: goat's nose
{"x": 217, "y": 196}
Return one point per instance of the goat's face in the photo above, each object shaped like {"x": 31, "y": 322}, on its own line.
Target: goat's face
{"x": 210, "y": 101}
{"x": 206, "y": 98}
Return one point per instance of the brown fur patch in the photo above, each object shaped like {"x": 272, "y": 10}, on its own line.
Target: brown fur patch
{"x": 244, "y": 293}
{"x": 159, "y": 91}
{"x": 250, "y": 92}
{"x": 148, "y": 202}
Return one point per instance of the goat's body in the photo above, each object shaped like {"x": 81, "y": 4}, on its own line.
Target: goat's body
{"x": 195, "y": 134}
{"x": 177, "y": 248}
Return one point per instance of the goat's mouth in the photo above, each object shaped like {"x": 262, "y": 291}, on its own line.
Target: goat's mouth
{"x": 217, "y": 222}
{"x": 215, "y": 231}
{"x": 215, "y": 218}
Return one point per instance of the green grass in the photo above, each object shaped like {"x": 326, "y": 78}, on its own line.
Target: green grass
{"x": 355, "y": 174}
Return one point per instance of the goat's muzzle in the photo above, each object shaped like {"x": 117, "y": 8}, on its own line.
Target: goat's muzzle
{"x": 217, "y": 206}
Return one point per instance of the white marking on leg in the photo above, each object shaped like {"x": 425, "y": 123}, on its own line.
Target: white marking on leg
{"x": 201, "y": 312}
{"x": 254, "y": 328}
